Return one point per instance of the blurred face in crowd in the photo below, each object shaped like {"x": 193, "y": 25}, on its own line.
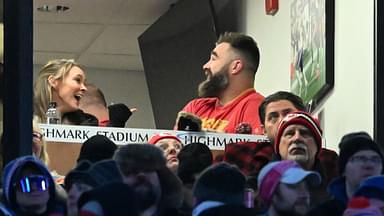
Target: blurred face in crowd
{"x": 74, "y": 193}
{"x": 32, "y": 191}
{"x": 297, "y": 143}
{"x": 362, "y": 164}
{"x": 171, "y": 149}
{"x": 147, "y": 187}
{"x": 216, "y": 71}
{"x": 290, "y": 199}
{"x": 68, "y": 91}
{"x": 274, "y": 113}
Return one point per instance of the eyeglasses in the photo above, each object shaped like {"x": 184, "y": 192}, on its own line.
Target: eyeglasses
{"x": 25, "y": 183}
{"x": 363, "y": 160}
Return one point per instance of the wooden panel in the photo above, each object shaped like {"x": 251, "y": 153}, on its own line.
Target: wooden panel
{"x": 62, "y": 156}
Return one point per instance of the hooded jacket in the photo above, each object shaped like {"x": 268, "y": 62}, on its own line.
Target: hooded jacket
{"x": 12, "y": 170}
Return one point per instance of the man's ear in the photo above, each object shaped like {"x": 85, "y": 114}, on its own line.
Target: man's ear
{"x": 53, "y": 82}
{"x": 237, "y": 66}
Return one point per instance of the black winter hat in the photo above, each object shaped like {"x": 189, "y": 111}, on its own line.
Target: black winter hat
{"x": 193, "y": 158}
{"x": 97, "y": 148}
{"x": 115, "y": 199}
{"x": 79, "y": 174}
{"x": 353, "y": 142}
{"x": 97, "y": 174}
{"x": 220, "y": 182}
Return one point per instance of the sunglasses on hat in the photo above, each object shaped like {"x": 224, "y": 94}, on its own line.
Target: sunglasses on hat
{"x": 25, "y": 184}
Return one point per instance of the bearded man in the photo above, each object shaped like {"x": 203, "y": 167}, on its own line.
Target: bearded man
{"x": 228, "y": 98}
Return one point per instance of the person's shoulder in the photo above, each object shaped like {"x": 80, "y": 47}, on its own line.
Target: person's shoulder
{"x": 330, "y": 207}
{"x": 256, "y": 95}
{"x": 251, "y": 98}
{"x": 202, "y": 101}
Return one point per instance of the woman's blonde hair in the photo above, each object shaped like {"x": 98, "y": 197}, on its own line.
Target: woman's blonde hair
{"x": 59, "y": 69}
{"x": 43, "y": 154}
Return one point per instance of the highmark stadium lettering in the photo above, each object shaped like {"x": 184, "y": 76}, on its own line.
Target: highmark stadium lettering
{"x": 116, "y": 136}
{"x": 125, "y": 136}
{"x": 67, "y": 134}
{"x": 122, "y": 136}
{"x": 209, "y": 140}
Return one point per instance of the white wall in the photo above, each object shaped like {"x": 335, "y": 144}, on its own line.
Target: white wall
{"x": 350, "y": 105}
{"x": 127, "y": 87}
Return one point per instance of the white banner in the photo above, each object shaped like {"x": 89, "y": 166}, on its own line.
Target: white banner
{"x": 122, "y": 136}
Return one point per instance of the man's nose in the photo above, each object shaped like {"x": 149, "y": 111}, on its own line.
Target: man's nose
{"x": 34, "y": 187}
{"x": 172, "y": 150}
{"x": 297, "y": 135}
{"x": 206, "y": 66}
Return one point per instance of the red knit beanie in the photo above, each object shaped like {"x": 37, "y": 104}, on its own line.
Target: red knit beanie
{"x": 300, "y": 118}
{"x": 157, "y": 137}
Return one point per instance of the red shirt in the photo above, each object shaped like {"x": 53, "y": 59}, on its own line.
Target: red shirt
{"x": 243, "y": 109}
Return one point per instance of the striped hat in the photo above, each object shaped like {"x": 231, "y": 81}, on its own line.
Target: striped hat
{"x": 300, "y": 118}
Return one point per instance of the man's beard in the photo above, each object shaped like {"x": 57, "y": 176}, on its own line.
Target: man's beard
{"x": 146, "y": 194}
{"x": 214, "y": 84}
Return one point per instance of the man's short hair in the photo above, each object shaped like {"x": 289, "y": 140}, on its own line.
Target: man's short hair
{"x": 245, "y": 46}
{"x": 278, "y": 96}
{"x": 79, "y": 117}
{"x": 93, "y": 95}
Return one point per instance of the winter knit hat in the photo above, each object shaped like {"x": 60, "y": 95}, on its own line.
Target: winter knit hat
{"x": 359, "y": 206}
{"x": 97, "y": 148}
{"x": 157, "y": 137}
{"x": 117, "y": 199}
{"x": 220, "y": 182}
{"x": 372, "y": 188}
{"x": 193, "y": 159}
{"x": 285, "y": 171}
{"x": 300, "y": 118}
{"x": 105, "y": 171}
{"x": 79, "y": 174}
{"x": 97, "y": 174}
{"x": 354, "y": 142}
{"x": 118, "y": 115}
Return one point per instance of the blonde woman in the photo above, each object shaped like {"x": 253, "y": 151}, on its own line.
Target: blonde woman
{"x": 61, "y": 81}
